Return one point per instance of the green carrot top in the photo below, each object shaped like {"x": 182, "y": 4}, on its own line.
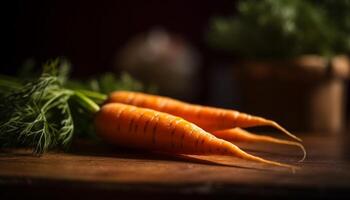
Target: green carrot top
{"x": 45, "y": 112}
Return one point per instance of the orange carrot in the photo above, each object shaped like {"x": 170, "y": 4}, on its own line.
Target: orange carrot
{"x": 135, "y": 127}
{"x": 208, "y": 118}
{"x": 238, "y": 134}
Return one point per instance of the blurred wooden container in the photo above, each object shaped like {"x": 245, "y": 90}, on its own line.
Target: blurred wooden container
{"x": 303, "y": 94}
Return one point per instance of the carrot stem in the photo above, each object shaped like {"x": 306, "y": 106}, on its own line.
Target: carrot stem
{"x": 98, "y": 97}
{"x": 86, "y": 102}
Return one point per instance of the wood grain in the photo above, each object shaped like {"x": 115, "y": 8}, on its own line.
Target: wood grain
{"x": 95, "y": 168}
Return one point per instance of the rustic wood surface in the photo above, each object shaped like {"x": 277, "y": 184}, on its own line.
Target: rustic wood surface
{"x": 98, "y": 170}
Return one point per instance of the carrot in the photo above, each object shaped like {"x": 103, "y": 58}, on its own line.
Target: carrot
{"x": 135, "y": 127}
{"x": 208, "y": 118}
{"x": 238, "y": 134}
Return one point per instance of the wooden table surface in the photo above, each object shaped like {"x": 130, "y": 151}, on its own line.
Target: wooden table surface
{"x": 98, "y": 170}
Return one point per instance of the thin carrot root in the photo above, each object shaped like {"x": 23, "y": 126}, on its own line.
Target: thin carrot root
{"x": 252, "y": 121}
{"x": 279, "y": 127}
{"x": 238, "y": 134}
{"x": 242, "y": 154}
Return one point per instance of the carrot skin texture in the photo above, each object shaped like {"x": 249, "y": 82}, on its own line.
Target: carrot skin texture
{"x": 150, "y": 130}
{"x": 130, "y": 126}
{"x": 209, "y": 118}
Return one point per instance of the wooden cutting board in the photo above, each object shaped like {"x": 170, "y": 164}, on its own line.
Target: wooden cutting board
{"x": 98, "y": 170}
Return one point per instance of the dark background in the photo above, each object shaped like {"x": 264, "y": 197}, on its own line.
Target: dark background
{"x": 89, "y": 33}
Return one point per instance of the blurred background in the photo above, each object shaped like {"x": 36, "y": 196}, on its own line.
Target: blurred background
{"x": 285, "y": 60}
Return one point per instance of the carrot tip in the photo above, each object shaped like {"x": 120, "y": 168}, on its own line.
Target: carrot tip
{"x": 301, "y": 147}
{"x": 276, "y": 125}
{"x": 304, "y": 152}
{"x": 244, "y": 155}
{"x": 293, "y": 168}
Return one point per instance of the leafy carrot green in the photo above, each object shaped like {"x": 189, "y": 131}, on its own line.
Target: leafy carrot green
{"x": 38, "y": 114}
{"x": 45, "y": 111}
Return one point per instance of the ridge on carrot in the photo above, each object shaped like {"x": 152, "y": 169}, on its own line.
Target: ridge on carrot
{"x": 208, "y": 118}
{"x": 131, "y": 126}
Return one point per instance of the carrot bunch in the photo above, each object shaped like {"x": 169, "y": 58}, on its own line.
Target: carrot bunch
{"x": 159, "y": 123}
{"x": 45, "y": 113}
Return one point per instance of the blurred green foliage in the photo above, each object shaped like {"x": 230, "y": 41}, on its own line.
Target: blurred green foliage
{"x": 101, "y": 83}
{"x": 109, "y": 82}
{"x": 283, "y": 28}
